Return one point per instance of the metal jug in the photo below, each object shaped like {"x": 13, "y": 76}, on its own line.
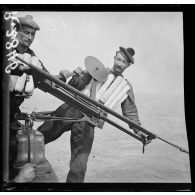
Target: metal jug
{"x": 22, "y": 147}
{"x": 37, "y": 147}
{"x": 30, "y": 145}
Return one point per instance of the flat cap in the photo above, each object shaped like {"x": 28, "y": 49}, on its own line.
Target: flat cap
{"x": 128, "y": 54}
{"x": 27, "y": 21}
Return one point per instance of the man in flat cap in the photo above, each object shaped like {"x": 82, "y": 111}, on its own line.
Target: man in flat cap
{"x": 82, "y": 133}
{"x": 26, "y": 30}
{"x": 25, "y": 35}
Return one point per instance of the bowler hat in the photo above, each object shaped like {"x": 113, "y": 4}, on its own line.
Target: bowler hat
{"x": 27, "y": 21}
{"x": 128, "y": 54}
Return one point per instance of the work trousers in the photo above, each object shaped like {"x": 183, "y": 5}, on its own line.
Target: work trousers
{"x": 82, "y": 135}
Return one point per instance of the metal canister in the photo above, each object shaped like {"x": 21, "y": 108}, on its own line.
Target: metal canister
{"x": 37, "y": 147}
{"x": 23, "y": 147}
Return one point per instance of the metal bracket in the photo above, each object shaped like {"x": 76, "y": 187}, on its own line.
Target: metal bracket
{"x": 93, "y": 120}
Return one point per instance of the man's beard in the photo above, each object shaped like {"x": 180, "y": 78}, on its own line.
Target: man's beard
{"x": 23, "y": 43}
{"x": 26, "y": 43}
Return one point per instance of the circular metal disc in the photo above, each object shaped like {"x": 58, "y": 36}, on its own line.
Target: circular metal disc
{"x": 96, "y": 69}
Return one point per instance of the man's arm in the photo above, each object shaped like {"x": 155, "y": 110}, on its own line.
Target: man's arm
{"x": 79, "y": 78}
{"x": 80, "y": 81}
{"x": 129, "y": 110}
{"x": 128, "y": 106}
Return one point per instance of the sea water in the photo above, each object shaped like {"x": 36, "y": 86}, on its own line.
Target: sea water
{"x": 116, "y": 156}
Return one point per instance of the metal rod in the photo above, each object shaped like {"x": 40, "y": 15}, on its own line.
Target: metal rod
{"x": 77, "y": 93}
{"x": 168, "y": 142}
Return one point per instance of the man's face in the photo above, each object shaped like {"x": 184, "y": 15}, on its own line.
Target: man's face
{"x": 120, "y": 63}
{"x": 26, "y": 36}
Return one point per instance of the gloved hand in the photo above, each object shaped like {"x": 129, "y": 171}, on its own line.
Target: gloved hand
{"x": 25, "y": 69}
{"x": 136, "y": 130}
{"x": 65, "y": 73}
{"x": 141, "y": 135}
{"x": 78, "y": 71}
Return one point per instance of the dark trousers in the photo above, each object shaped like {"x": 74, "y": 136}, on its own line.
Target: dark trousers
{"x": 82, "y": 135}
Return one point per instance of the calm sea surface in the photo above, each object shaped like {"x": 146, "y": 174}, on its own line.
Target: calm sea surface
{"x": 116, "y": 156}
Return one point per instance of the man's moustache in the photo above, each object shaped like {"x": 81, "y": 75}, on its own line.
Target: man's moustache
{"x": 118, "y": 67}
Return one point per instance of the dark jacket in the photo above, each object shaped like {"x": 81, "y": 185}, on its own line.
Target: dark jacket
{"x": 16, "y": 100}
{"x": 128, "y": 106}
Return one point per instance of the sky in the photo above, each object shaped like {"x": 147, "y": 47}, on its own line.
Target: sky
{"x": 66, "y": 38}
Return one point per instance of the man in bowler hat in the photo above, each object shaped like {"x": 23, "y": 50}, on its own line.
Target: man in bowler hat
{"x": 82, "y": 133}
